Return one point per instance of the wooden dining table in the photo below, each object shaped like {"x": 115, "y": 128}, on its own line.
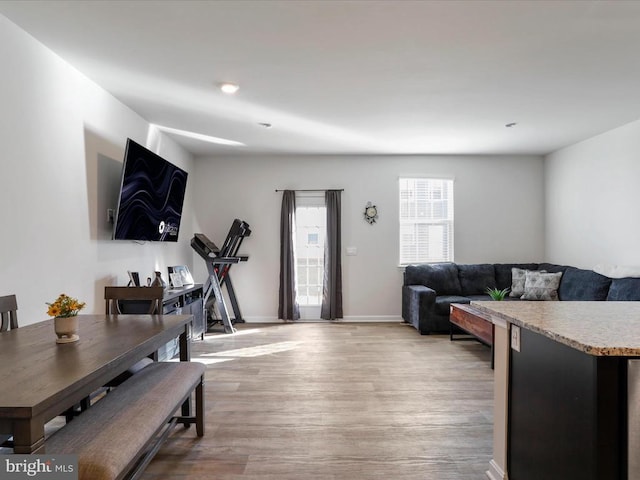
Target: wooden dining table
{"x": 40, "y": 379}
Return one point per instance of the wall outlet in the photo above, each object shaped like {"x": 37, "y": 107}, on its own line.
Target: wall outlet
{"x": 515, "y": 338}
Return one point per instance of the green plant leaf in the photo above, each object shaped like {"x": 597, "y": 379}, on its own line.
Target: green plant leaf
{"x": 497, "y": 294}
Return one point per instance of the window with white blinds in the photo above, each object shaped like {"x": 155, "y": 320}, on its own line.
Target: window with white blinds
{"x": 426, "y": 220}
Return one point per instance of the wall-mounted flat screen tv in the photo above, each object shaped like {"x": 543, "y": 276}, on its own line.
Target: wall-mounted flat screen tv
{"x": 151, "y": 197}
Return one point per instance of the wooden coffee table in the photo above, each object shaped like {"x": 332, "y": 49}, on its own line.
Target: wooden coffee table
{"x": 473, "y": 322}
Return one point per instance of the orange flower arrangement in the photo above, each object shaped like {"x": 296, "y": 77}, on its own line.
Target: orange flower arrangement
{"x": 64, "y": 306}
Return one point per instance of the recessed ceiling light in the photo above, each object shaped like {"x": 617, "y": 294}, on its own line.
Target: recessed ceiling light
{"x": 229, "y": 88}
{"x": 512, "y": 124}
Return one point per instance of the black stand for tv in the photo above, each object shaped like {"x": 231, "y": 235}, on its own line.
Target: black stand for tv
{"x": 219, "y": 262}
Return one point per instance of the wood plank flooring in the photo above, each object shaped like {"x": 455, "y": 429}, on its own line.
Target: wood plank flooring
{"x": 331, "y": 401}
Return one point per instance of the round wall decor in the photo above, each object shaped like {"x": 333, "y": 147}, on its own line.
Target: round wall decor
{"x": 370, "y": 213}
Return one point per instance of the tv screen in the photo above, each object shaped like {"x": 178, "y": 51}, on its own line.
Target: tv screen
{"x": 151, "y": 197}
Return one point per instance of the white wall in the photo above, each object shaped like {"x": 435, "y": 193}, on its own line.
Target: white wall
{"x": 61, "y": 147}
{"x": 498, "y": 218}
{"x": 593, "y": 193}
{"x": 61, "y": 143}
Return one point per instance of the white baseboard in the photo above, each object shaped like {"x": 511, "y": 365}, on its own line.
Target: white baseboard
{"x": 350, "y": 319}
{"x": 495, "y": 472}
{"x": 263, "y": 320}
{"x": 371, "y": 319}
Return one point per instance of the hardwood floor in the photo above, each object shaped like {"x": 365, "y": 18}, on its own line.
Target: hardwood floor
{"x": 329, "y": 401}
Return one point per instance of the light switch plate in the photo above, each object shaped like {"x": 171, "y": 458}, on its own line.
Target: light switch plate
{"x": 352, "y": 251}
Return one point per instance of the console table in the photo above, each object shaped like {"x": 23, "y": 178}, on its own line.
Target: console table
{"x": 176, "y": 301}
{"x": 187, "y": 301}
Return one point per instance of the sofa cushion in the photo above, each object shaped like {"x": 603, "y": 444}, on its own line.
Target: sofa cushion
{"x": 624, "y": 289}
{"x": 443, "y": 303}
{"x": 583, "y": 285}
{"x": 552, "y": 267}
{"x": 475, "y": 279}
{"x": 503, "y": 272}
{"x": 541, "y": 285}
{"x": 441, "y": 277}
{"x": 479, "y": 298}
{"x": 487, "y": 298}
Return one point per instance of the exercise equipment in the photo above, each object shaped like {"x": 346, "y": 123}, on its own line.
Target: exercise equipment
{"x": 219, "y": 262}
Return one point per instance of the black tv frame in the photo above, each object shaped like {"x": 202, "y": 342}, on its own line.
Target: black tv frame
{"x": 151, "y": 197}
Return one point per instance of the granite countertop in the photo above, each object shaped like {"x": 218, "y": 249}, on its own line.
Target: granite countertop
{"x": 596, "y": 328}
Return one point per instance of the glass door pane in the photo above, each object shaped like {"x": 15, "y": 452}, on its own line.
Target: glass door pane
{"x": 310, "y": 238}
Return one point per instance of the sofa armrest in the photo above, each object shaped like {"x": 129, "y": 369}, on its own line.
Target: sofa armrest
{"x": 423, "y": 291}
{"x": 417, "y": 302}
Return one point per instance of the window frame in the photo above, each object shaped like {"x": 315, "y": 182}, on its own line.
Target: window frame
{"x": 446, "y": 219}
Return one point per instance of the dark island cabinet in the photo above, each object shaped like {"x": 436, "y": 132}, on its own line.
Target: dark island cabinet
{"x": 567, "y": 413}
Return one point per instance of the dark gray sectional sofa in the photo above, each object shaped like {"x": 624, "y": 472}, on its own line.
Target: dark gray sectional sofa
{"x": 430, "y": 289}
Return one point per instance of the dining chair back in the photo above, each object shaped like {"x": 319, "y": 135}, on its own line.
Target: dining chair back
{"x": 9, "y": 321}
{"x": 132, "y": 298}
{"x": 114, "y": 296}
{"x": 8, "y": 313}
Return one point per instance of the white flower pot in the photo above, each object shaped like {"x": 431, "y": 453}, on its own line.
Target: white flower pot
{"x": 66, "y": 329}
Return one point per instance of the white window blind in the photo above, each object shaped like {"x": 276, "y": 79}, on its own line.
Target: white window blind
{"x": 426, "y": 220}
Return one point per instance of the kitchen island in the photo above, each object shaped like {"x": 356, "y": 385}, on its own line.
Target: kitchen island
{"x": 566, "y": 379}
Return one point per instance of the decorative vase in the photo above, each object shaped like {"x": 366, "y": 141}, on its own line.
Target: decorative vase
{"x": 158, "y": 281}
{"x": 66, "y": 329}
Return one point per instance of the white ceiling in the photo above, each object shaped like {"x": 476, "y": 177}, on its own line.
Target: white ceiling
{"x": 358, "y": 77}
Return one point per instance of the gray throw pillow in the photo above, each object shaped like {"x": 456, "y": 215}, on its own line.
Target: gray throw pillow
{"x": 541, "y": 286}
{"x": 517, "y": 282}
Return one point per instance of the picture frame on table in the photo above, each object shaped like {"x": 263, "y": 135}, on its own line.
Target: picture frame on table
{"x": 134, "y": 279}
{"x": 180, "y": 276}
{"x": 176, "y": 280}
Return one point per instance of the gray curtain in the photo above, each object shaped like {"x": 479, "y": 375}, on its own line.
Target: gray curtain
{"x": 287, "y": 305}
{"x": 332, "y": 284}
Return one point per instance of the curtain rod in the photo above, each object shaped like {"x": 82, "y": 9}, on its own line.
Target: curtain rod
{"x": 311, "y": 190}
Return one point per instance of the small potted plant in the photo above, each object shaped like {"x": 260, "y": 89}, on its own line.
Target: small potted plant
{"x": 497, "y": 294}
{"x": 64, "y": 311}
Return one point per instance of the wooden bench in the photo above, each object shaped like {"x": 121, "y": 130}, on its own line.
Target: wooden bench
{"x": 118, "y": 436}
